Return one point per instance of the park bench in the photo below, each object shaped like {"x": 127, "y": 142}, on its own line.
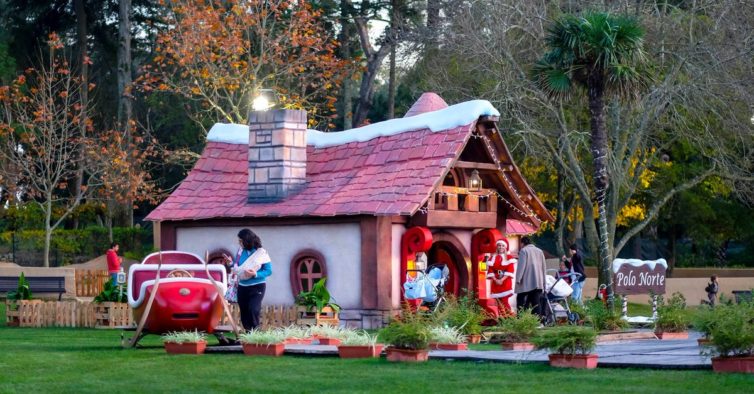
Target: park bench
{"x": 37, "y": 284}
{"x": 743, "y": 296}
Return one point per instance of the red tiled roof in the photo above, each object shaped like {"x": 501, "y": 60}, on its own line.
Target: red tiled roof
{"x": 390, "y": 175}
{"x": 517, "y": 227}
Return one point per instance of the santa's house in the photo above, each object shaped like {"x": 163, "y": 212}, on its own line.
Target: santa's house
{"x": 356, "y": 206}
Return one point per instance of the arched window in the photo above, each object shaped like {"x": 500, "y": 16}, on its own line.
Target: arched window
{"x": 307, "y": 267}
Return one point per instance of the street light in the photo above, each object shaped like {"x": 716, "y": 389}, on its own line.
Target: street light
{"x": 266, "y": 99}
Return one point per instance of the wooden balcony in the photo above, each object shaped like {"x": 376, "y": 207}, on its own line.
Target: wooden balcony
{"x": 460, "y": 208}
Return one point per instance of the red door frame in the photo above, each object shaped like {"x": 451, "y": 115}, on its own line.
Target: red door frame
{"x": 483, "y": 242}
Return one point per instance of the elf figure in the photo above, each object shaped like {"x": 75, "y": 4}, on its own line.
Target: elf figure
{"x": 502, "y": 271}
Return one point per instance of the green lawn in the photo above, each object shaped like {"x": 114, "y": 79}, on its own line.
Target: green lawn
{"x": 88, "y": 360}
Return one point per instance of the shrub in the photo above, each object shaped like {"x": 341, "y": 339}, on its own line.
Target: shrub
{"x": 358, "y": 338}
{"x": 318, "y": 297}
{"x": 262, "y": 337}
{"x": 112, "y": 293}
{"x": 328, "y": 331}
{"x": 732, "y": 333}
{"x": 295, "y": 332}
{"x": 520, "y": 328}
{"x": 22, "y": 292}
{"x": 410, "y": 331}
{"x": 703, "y": 320}
{"x": 672, "y": 315}
{"x": 446, "y": 335}
{"x": 462, "y": 313}
{"x": 180, "y": 337}
{"x": 566, "y": 340}
{"x": 603, "y": 319}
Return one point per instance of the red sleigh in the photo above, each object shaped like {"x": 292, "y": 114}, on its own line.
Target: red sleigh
{"x": 186, "y": 298}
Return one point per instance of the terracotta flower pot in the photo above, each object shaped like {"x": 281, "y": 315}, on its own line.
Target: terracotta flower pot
{"x": 475, "y": 338}
{"x": 255, "y": 349}
{"x": 448, "y": 346}
{"x": 329, "y": 341}
{"x": 298, "y": 341}
{"x": 347, "y": 351}
{"x": 517, "y": 346}
{"x": 742, "y": 364}
{"x": 586, "y": 361}
{"x": 406, "y": 355}
{"x": 666, "y": 335}
{"x": 186, "y": 347}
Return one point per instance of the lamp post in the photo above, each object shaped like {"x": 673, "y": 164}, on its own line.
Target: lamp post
{"x": 475, "y": 181}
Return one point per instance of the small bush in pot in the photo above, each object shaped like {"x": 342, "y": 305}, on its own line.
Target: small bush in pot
{"x": 672, "y": 318}
{"x": 516, "y": 331}
{"x": 328, "y": 334}
{"x": 703, "y": 320}
{"x": 602, "y": 318}
{"x": 296, "y": 335}
{"x": 263, "y": 342}
{"x": 732, "y": 338}
{"x": 407, "y": 336}
{"x": 464, "y": 314}
{"x": 447, "y": 338}
{"x": 358, "y": 344}
{"x": 185, "y": 342}
{"x": 570, "y": 346}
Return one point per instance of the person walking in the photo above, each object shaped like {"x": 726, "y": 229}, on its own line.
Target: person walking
{"x": 712, "y": 288}
{"x": 576, "y": 265}
{"x": 252, "y": 265}
{"x": 530, "y": 277}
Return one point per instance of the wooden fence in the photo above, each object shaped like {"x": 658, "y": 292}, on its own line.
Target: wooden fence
{"x": 39, "y": 313}
{"x": 89, "y": 283}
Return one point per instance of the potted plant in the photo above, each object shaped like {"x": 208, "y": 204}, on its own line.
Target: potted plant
{"x": 359, "y": 344}
{"x": 570, "y": 346}
{"x": 263, "y": 342}
{"x": 407, "y": 337}
{"x": 14, "y": 298}
{"x": 111, "y": 307}
{"x": 516, "y": 331}
{"x": 185, "y": 342}
{"x": 672, "y": 318}
{"x": 296, "y": 335}
{"x": 703, "y": 320}
{"x": 464, "y": 314}
{"x": 316, "y": 307}
{"x": 732, "y": 338}
{"x": 327, "y": 334}
{"x": 447, "y": 338}
{"x": 601, "y": 318}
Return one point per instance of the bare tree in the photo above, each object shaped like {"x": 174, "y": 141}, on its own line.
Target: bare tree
{"x": 42, "y": 146}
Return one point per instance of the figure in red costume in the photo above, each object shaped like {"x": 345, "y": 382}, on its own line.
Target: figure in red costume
{"x": 501, "y": 271}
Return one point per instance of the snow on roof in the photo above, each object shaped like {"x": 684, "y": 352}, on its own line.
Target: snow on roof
{"x": 617, "y": 263}
{"x": 444, "y": 119}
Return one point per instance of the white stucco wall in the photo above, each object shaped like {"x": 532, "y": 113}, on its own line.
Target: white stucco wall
{"x": 340, "y": 244}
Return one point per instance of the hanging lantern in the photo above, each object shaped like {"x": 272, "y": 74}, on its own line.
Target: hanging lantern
{"x": 475, "y": 181}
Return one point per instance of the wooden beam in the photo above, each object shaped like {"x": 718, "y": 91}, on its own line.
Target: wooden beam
{"x": 456, "y": 219}
{"x": 476, "y": 166}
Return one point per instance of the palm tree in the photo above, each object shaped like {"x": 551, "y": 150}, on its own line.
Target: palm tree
{"x": 600, "y": 53}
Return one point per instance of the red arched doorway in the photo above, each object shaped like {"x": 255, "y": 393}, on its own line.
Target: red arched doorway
{"x": 447, "y": 249}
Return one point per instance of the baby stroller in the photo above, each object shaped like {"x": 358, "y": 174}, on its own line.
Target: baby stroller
{"x": 429, "y": 286}
{"x": 556, "y": 299}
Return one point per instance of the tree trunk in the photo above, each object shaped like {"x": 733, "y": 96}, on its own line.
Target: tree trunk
{"x": 560, "y": 222}
{"x": 48, "y": 229}
{"x": 346, "y": 106}
{"x": 366, "y": 92}
{"x": 601, "y": 176}
{"x": 81, "y": 33}
{"x": 125, "y": 109}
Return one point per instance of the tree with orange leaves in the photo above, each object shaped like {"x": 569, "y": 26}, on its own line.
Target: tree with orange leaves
{"x": 42, "y": 142}
{"x": 221, "y": 53}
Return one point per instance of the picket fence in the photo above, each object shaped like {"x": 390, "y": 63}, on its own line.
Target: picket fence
{"x": 89, "y": 283}
{"x": 39, "y": 313}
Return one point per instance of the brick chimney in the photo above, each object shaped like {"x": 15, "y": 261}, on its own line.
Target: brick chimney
{"x": 277, "y": 154}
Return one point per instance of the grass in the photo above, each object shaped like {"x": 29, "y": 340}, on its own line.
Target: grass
{"x": 90, "y": 360}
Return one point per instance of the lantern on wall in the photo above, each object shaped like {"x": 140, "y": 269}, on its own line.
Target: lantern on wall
{"x": 475, "y": 181}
